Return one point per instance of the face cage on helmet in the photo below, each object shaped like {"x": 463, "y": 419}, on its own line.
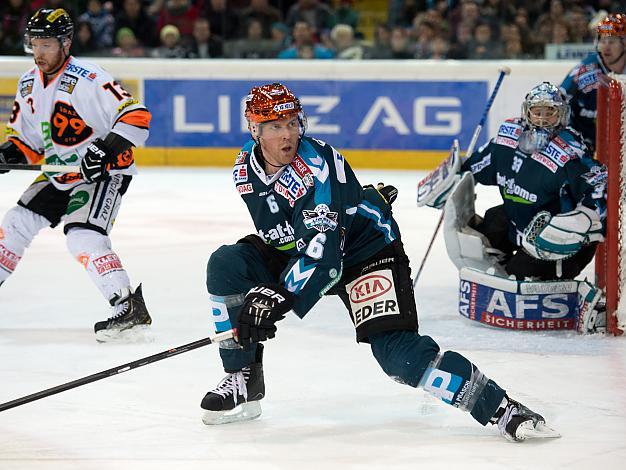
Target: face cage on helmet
{"x": 63, "y": 39}
{"x": 254, "y": 127}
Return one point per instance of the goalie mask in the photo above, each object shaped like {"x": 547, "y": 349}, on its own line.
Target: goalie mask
{"x": 49, "y": 23}
{"x": 269, "y": 103}
{"x": 544, "y": 111}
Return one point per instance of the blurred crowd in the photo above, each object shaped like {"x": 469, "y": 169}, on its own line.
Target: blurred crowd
{"x": 314, "y": 29}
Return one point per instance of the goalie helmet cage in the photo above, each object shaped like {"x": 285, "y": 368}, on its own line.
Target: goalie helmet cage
{"x": 611, "y": 151}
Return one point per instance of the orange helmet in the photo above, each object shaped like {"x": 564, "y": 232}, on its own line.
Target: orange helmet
{"x": 612, "y": 25}
{"x": 269, "y": 103}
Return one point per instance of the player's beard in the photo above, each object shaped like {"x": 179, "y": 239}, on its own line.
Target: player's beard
{"x": 48, "y": 67}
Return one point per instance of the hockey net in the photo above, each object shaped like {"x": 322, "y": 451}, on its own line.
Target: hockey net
{"x": 611, "y": 150}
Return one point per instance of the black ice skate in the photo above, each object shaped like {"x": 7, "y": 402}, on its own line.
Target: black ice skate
{"x": 518, "y": 423}
{"x": 130, "y": 316}
{"x": 237, "y": 397}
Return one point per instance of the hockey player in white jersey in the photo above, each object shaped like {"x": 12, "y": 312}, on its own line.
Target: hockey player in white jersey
{"x": 69, "y": 112}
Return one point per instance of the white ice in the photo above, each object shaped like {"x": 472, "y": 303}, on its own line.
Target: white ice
{"x": 328, "y": 404}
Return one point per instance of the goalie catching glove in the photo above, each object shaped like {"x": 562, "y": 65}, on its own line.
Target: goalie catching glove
{"x": 263, "y": 306}
{"x": 559, "y": 237}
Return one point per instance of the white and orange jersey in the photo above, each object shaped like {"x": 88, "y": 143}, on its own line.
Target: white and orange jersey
{"x": 82, "y": 102}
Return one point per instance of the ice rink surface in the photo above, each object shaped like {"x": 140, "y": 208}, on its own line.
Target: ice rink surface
{"x": 328, "y": 404}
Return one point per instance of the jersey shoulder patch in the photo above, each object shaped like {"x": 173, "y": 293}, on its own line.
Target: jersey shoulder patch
{"x": 509, "y": 133}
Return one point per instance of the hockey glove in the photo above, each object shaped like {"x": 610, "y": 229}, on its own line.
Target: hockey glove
{"x": 559, "y": 237}
{"x": 93, "y": 166}
{"x": 10, "y": 155}
{"x": 387, "y": 192}
{"x": 263, "y": 306}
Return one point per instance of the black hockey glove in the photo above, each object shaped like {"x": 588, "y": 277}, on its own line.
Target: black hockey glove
{"x": 263, "y": 306}
{"x": 10, "y": 154}
{"x": 387, "y": 192}
{"x": 93, "y": 166}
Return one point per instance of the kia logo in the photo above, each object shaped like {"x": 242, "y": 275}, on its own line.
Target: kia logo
{"x": 369, "y": 288}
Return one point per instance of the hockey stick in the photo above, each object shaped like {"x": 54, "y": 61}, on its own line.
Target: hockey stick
{"x": 504, "y": 70}
{"x": 226, "y": 335}
{"x": 44, "y": 168}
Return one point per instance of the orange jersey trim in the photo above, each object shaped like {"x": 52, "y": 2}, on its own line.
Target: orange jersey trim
{"x": 138, "y": 118}
{"x": 32, "y": 156}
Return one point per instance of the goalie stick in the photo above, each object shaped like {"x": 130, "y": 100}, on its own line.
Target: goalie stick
{"x": 217, "y": 338}
{"x": 470, "y": 149}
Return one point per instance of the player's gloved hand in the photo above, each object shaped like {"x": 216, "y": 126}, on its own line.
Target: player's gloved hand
{"x": 387, "y": 192}
{"x": 93, "y": 166}
{"x": 10, "y": 154}
{"x": 263, "y": 306}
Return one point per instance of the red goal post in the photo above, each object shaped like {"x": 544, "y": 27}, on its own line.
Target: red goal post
{"x": 611, "y": 151}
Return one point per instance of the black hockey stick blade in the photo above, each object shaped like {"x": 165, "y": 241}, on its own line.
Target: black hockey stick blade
{"x": 226, "y": 335}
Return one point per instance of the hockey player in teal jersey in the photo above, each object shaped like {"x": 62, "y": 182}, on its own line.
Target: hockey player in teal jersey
{"x": 319, "y": 232}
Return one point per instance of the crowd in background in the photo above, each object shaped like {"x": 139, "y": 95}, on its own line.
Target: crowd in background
{"x": 306, "y": 29}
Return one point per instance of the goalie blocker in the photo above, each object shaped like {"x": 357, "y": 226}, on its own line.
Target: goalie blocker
{"x": 529, "y": 305}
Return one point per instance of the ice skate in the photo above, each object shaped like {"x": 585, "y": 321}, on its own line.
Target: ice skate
{"x": 129, "y": 321}
{"x": 236, "y": 398}
{"x": 518, "y": 423}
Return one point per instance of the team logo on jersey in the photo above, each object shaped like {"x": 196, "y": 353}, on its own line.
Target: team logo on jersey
{"x": 67, "y": 127}
{"x": 26, "y": 87}
{"x": 597, "y": 176}
{"x": 280, "y": 234}
{"x": 241, "y": 157}
{"x": 68, "y": 83}
{"x": 513, "y": 191}
{"x": 321, "y": 218}
{"x": 240, "y": 174}
{"x": 244, "y": 188}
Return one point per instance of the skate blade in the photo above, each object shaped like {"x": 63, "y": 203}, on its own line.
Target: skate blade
{"x": 538, "y": 431}
{"x": 244, "y": 412}
{"x": 136, "y": 334}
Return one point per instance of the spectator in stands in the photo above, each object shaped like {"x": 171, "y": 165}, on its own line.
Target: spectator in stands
{"x": 466, "y": 12}
{"x": 171, "y": 47}
{"x": 345, "y": 46}
{"x": 254, "y": 45}
{"x": 399, "y": 44}
{"x": 345, "y": 14}
{"x": 133, "y": 16}
{"x": 203, "y": 44}
{"x": 578, "y": 22}
{"x": 127, "y": 44}
{"x": 280, "y": 35}
{"x": 102, "y": 23}
{"x": 13, "y": 18}
{"x": 179, "y": 13}
{"x": 439, "y": 48}
{"x": 264, "y": 13}
{"x": 459, "y": 48}
{"x": 423, "y": 33}
{"x": 482, "y": 45}
{"x": 83, "y": 43}
{"x": 381, "y": 48}
{"x": 317, "y": 14}
{"x": 303, "y": 36}
{"x": 560, "y": 33}
{"x": 404, "y": 12}
{"x": 224, "y": 21}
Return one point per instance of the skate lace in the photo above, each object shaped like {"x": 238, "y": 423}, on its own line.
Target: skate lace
{"x": 120, "y": 310}
{"x": 234, "y": 384}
